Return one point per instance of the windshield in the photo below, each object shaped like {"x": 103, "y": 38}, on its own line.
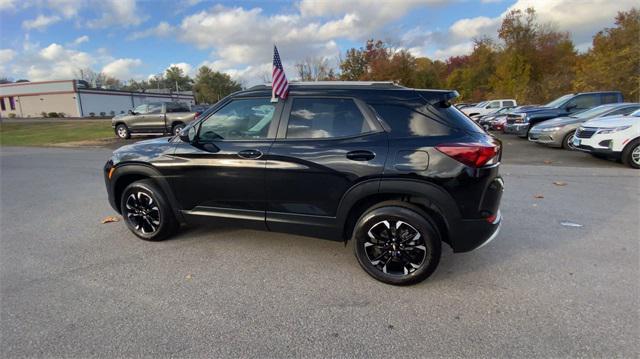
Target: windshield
{"x": 559, "y": 101}
{"x": 592, "y": 113}
{"x": 481, "y": 104}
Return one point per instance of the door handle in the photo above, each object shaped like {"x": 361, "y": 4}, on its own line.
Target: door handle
{"x": 361, "y": 155}
{"x": 250, "y": 154}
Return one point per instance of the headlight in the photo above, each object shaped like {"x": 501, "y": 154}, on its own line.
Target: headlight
{"x": 520, "y": 117}
{"x": 605, "y": 131}
{"x": 550, "y": 129}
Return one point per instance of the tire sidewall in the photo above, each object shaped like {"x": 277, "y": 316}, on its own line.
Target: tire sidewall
{"x": 419, "y": 222}
{"x": 628, "y": 151}
{"x": 167, "y": 219}
{"x": 567, "y": 141}
{"x": 176, "y": 129}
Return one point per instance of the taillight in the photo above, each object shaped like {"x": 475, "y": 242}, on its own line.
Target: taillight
{"x": 198, "y": 113}
{"x": 472, "y": 154}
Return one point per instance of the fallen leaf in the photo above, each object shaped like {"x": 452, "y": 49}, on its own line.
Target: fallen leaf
{"x": 547, "y": 162}
{"x": 110, "y": 219}
{"x": 188, "y": 277}
{"x": 538, "y": 196}
{"x": 559, "y": 183}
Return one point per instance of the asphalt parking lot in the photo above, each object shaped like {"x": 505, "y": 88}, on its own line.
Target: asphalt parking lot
{"x": 73, "y": 287}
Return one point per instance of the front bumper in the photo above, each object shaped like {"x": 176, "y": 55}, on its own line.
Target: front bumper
{"x": 519, "y": 129}
{"x": 546, "y": 138}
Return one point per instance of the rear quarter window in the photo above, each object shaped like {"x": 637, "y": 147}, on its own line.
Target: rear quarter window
{"x": 405, "y": 122}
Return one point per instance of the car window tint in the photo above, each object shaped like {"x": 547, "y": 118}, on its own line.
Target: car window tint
{"x": 404, "y": 122}
{"x": 243, "y": 119}
{"x": 494, "y": 104}
{"x": 141, "y": 109}
{"x": 583, "y": 102}
{"x": 154, "y": 108}
{"x": 177, "y": 107}
{"x": 325, "y": 118}
{"x": 623, "y": 111}
{"x": 508, "y": 104}
{"x": 609, "y": 98}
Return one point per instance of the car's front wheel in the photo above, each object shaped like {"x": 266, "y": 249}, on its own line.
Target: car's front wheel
{"x": 122, "y": 131}
{"x": 147, "y": 212}
{"x": 567, "y": 142}
{"x": 395, "y": 243}
{"x": 631, "y": 154}
{"x": 177, "y": 128}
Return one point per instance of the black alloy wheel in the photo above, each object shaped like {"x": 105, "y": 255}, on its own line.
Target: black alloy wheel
{"x": 396, "y": 243}
{"x": 146, "y": 211}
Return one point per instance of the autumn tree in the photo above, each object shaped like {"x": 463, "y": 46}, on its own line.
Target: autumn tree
{"x": 353, "y": 66}
{"x": 613, "y": 62}
{"x": 211, "y": 86}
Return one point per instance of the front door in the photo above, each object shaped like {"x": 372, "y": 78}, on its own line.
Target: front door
{"x": 153, "y": 119}
{"x": 222, "y": 173}
{"x": 325, "y": 146}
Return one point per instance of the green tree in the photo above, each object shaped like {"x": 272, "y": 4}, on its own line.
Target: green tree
{"x": 211, "y": 86}
{"x": 613, "y": 62}
{"x": 353, "y": 66}
{"x": 177, "y": 80}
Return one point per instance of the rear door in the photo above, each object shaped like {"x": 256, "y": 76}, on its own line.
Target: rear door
{"x": 324, "y": 146}
{"x": 153, "y": 119}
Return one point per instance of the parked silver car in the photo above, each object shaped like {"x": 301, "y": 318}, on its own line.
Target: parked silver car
{"x": 150, "y": 118}
{"x": 559, "y": 132}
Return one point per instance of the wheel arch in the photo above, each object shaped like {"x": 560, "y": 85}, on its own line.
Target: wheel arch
{"x": 125, "y": 174}
{"x": 430, "y": 198}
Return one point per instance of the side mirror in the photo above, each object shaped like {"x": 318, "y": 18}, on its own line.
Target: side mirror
{"x": 130, "y": 112}
{"x": 570, "y": 107}
{"x": 188, "y": 134}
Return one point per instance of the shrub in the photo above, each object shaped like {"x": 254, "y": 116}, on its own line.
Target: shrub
{"x": 12, "y": 115}
{"x": 91, "y": 114}
{"x": 112, "y": 113}
{"x": 103, "y": 114}
{"x": 52, "y": 114}
{"x": 61, "y": 114}
{"x": 43, "y": 114}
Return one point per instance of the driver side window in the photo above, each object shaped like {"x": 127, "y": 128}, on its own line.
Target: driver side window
{"x": 244, "y": 119}
{"x": 141, "y": 109}
{"x": 494, "y": 104}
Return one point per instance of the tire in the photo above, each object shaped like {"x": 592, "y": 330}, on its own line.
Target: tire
{"x": 403, "y": 257}
{"x": 122, "y": 131}
{"x": 631, "y": 154}
{"x": 567, "y": 141}
{"x": 177, "y": 128}
{"x": 146, "y": 211}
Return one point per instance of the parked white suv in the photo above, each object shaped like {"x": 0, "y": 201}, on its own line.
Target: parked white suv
{"x": 487, "y": 107}
{"x": 617, "y": 137}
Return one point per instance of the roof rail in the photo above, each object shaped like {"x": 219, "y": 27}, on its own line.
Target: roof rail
{"x": 337, "y": 83}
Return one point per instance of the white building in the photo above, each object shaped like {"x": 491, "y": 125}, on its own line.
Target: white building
{"x": 73, "y": 99}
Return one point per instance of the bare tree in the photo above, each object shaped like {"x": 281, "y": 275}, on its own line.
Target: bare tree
{"x": 315, "y": 69}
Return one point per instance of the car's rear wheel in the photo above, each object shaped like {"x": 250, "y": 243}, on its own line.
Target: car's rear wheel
{"x": 631, "y": 154}
{"x": 177, "y": 128}
{"x": 567, "y": 142}
{"x": 122, "y": 131}
{"x": 147, "y": 212}
{"x": 395, "y": 243}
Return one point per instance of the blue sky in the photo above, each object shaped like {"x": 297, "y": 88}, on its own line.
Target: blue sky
{"x": 51, "y": 39}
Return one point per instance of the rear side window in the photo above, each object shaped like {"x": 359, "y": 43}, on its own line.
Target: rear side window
{"x": 457, "y": 118}
{"x": 405, "y": 122}
{"x": 609, "y": 98}
{"x": 326, "y": 118}
{"x": 177, "y": 107}
{"x": 583, "y": 102}
{"x": 508, "y": 104}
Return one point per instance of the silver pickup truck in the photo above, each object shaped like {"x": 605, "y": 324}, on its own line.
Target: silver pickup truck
{"x": 154, "y": 117}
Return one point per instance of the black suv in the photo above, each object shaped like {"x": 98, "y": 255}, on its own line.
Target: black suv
{"x": 395, "y": 170}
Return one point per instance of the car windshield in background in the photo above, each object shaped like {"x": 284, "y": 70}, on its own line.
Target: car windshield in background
{"x": 559, "y": 101}
{"x": 592, "y": 113}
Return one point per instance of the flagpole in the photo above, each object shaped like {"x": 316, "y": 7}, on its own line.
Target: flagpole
{"x": 273, "y": 89}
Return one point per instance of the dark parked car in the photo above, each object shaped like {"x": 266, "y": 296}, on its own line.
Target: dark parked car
{"x": 520, "y": 122}
{"x": 395, "y": 170}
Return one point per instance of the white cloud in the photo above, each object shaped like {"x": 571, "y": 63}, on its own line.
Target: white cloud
{"x": 67, "y": 8}
{"x": 6, "y": 55}
{"x": 123, "y": 13}
{"x": 80, "y": 40}
{"x": 163, "y": 29}
{"x": 7, "y": 4}
{"x": 475, "y": 27}
{"x": 40, "y": 22}
{"x": 122, "y": 68}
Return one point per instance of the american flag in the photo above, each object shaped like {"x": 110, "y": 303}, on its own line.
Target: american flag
{"x": 279, "y": 84}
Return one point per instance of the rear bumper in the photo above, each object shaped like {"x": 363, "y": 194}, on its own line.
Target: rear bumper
{"x": 473, "y": 234}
